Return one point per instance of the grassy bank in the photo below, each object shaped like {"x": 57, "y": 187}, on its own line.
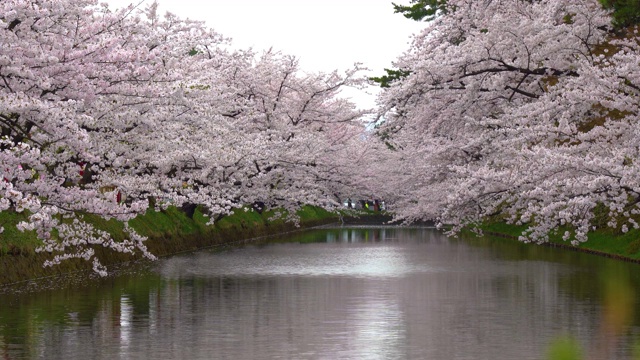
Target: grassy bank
{"x": 170, "y": 231}
{"x": 606, "y": 241}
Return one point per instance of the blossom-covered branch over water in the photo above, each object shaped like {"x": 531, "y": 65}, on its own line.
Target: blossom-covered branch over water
{"x": 103, "y": 109}
{"x": 524, "y": 109}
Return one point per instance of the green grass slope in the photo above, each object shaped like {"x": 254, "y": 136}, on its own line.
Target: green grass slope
{"x": 169, "y": 231}
{"x": 604, "y": 241}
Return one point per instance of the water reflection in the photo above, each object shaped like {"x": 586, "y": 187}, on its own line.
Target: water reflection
{"x": 364, "y": 234}
{"x": 358, "y": 293}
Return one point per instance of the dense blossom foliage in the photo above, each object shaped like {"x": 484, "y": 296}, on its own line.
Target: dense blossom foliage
{"x": 101, "y": 110}
{"x": 524, "y": 109}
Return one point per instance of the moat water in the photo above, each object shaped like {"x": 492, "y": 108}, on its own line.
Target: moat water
{"x": 337, "y": 293}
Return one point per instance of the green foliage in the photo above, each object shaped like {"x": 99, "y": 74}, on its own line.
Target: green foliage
{"x": 170, "y": 231}
{"x": 308, "y": 213}
{"x": 568, "y": 19}
{"x": 625, "y": 12}
{"x": 564, "y": 348}
{"x": 603, "y": 240}
{"x": 392, "y": 75}
{"x": 153, "y": 224}
{"x": 420, "y": 10}
{"x": 241, "y": 219}
{"x": 633, "y": 247}
{"x": 14, "y": 241}
{"x": 170, "y": 221}
{"x": 501, "y": 227}
{"x": 114, "y": 227}
{"x": 385, "y": 136}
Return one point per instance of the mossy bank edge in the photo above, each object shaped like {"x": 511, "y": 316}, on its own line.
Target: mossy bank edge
{"x": 170, "y": 231}
{"x": 604, "y": 241}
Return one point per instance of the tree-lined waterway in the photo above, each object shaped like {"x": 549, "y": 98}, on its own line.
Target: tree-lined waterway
{"x": 337, "y": 293}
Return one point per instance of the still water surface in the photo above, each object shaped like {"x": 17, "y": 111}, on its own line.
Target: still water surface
{"x": 342, "y": 293}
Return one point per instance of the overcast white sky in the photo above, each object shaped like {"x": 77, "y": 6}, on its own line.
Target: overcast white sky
{"x": 324, "y": 34}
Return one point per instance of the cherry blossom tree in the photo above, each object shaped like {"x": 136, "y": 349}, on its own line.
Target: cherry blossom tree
{"x": 525, "y": 109}
{"x": 57, "y": 58}
{"x": 103, "y": 109}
